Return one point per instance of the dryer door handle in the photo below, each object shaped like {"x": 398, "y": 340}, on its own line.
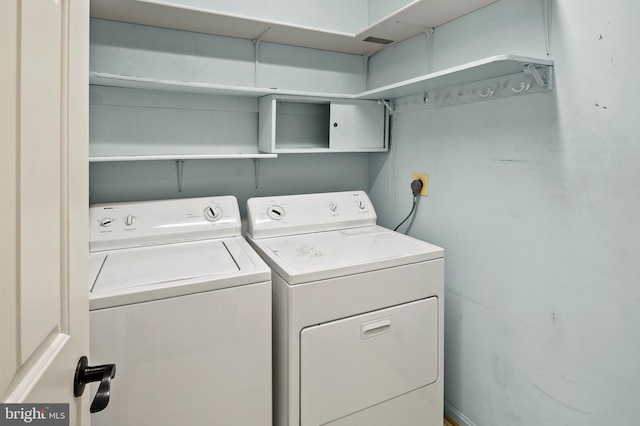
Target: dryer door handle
{"x": 100, "y": 373}
{"x": 375, "y": 327}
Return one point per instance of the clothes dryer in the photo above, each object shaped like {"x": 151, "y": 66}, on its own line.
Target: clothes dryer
{"x": 182, "y": 304}
{"x": 358, "y": 313}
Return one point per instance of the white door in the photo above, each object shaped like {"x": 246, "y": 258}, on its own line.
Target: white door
{"x": 43, "y": 192}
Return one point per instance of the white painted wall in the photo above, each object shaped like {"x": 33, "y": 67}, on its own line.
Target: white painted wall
{"x": 130, "y": 121}
{"x": 508, "y": 26}
{"x": 287, "y": 174}
{"x": 146, "y": 122}
{"x": 138, "y": 50}
{"x": 534, "y": 199}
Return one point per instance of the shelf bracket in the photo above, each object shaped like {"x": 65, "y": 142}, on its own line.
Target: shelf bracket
{"x": 180, "y": 169}
{"x": 258, "y": 39}
{"x": 256, "y": 42}
{"x": 533, "y": 72}
{"x": 386, "y": 104}
{"x": 430, "y": 35}
{"x": 256, "y": 171}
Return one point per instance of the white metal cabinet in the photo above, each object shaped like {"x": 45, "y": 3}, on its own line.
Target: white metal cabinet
{"x": 352, "y": 364}
{"x": 304, "y": 124}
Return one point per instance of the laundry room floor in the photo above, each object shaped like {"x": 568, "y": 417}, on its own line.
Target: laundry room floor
{"x": 447, "y": 423}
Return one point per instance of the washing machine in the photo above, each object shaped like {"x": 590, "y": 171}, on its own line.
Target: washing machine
{"x": 358, "y": 313}
{"x": 182, "y": 305}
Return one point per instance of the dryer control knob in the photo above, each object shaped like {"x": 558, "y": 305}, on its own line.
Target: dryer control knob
{"x": 129, "y": 220}
{"x": 333, "y": 207}
{"x": 275, "y": 212}
{"x": 212, "y": 213}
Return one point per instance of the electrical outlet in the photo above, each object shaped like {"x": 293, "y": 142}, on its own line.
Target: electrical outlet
{"x": 425, "y": 183}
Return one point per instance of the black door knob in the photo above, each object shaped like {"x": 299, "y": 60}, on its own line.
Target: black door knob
{"x": 101, "y": 373}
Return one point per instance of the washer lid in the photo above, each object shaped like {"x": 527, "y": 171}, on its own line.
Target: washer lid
{"x": 161, "y": 264}
{"x": 142, "y": 274}
{"x": 310, "y": 257}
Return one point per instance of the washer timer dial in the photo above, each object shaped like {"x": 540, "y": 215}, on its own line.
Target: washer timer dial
{"x": 212, "y": 213}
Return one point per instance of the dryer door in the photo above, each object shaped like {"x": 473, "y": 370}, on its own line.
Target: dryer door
{"x": 351, "y": 364}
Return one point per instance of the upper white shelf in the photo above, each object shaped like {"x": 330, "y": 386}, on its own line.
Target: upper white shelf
{"x": 483, "y": 69}
{"x": 408, "y": 19}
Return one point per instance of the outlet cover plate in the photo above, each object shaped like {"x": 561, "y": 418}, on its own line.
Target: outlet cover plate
{"x": 425, "y": 182}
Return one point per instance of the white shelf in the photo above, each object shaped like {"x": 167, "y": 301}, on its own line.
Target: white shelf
{"x": 176, "y": 157}
{"x": 410, "y": 20}
{"x": 303, "y": 150}
{"x": 140, "y": 82}
{"x": 483, "y": 69}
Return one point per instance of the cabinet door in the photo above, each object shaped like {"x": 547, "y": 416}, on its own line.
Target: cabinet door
{"x": 357, "y": 126}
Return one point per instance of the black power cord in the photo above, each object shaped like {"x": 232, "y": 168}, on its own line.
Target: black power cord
{"x": 416, "y": 187}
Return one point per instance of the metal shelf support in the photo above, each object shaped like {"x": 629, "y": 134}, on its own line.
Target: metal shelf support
{"x": 386, "y": 104}
{"x": 180, "y": 170}
{"x": 533, "y": 72}
{"x": 546, "y": 16}
{"x": 256, "y": 171}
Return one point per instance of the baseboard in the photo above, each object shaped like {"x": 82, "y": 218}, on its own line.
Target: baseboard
{"x": 456, "y": 415}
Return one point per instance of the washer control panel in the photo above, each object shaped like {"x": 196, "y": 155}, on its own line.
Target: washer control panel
{"x": 125, "y": 225}
{"x": 298, "y": 214}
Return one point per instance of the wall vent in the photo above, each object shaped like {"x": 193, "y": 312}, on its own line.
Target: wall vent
{"x": 378, "y": 40}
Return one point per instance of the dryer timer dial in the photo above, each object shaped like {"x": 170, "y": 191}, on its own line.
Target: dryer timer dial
{"x": 275, "y": 212}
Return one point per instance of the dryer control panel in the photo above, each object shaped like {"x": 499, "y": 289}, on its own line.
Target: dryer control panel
{"x": 125, "y": 225}
{"x": 300, "y": 214}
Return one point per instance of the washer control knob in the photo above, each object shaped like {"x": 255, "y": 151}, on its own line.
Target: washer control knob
{"x": 361, "y": 205}
{"x": 212, "y": 213}
{"x": 333, "y": 206}
{"x": 106, "y": 222}
{"x": 275, "y": 212}
{"x": 129, "y": 220}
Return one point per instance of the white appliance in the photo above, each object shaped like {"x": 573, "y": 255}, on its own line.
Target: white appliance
{"x": 358, "y": 313}
{"x": 182, "y": 305}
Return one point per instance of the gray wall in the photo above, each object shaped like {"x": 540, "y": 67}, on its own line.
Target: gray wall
{"x": 535, "y": 201}
{"x": 288, "y": 174}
